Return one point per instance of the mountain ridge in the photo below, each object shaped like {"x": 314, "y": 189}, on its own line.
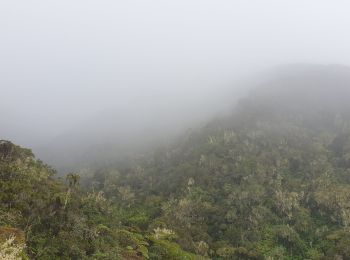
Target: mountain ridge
{"x": 269, "y": 181}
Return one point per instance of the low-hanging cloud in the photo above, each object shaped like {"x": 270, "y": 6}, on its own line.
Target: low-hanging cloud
{"x": 66, "y": 63}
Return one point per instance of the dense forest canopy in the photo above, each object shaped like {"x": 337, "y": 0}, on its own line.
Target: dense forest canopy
{"x": 271, "y": 180}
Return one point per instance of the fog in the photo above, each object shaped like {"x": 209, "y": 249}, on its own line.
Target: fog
{"x": 110, "y": 71}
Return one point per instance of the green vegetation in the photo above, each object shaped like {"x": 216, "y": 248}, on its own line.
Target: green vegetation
{"x": 271, "y": 181}
{"x": 43, "y": 218}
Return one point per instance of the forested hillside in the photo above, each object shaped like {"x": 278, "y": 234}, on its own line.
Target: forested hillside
{"x": 269, "y": 181}
{"x": 44, "y": 218}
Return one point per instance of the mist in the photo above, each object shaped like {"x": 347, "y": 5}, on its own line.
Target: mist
{"x": 79, "y": 74}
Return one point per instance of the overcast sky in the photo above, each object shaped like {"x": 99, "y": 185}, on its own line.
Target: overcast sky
{"x": 62, "y": 62}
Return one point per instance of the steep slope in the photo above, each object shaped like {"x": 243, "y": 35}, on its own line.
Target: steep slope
{"x": 271, "y": 181}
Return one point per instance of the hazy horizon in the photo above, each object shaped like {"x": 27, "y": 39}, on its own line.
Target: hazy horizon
{"x": 65, "y": 64}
